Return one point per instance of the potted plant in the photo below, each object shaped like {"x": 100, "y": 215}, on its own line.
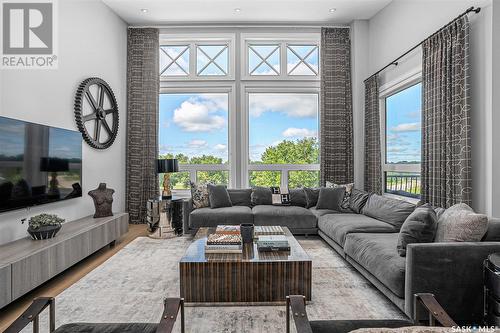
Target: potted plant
{"x": 44, "y": 226}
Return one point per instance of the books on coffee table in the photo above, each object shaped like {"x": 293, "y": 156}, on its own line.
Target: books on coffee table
{"x": 223, "y": 249}
{"x": 226, "y": 239}
{"x": 228, "y": 230}
{"x": 268, "y": 230}
{"x": 223, "y": 239}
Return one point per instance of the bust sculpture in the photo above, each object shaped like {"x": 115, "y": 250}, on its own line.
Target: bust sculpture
{"x": 103, "y": 200}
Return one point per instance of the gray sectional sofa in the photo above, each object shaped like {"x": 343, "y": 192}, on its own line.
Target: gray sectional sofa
{"x": 452, "y": 271}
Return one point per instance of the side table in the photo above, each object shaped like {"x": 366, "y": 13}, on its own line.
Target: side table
{"x": 164, "y": 217}
{"x": 491, "y": 268}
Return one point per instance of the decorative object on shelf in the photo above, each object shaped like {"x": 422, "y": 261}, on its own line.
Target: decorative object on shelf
{"x": 44, "y": 226}
{"x": 167, "y": 166}
{"x": 101, "y": 101}
{"x": 54, "y": 165}
{"x": 164, "y": 218}
{"x": 246, "y": 230}
{"x": 103, "y": 200}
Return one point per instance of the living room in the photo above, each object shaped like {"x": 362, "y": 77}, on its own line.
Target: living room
{"x": 249, "y": 166}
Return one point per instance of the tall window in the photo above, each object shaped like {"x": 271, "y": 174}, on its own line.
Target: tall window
{"x": 194, "y": 129}
{"x": 270, "y": 138}
{"x": 401, "y": 167}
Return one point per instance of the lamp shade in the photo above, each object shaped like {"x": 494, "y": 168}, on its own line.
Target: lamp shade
{"x": 167, "y": 165}
{"x": 54, "y": 164}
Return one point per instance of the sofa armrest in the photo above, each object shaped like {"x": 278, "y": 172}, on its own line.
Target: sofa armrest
{"x": 451, "y": 271}
{"x": 187, "y": 208}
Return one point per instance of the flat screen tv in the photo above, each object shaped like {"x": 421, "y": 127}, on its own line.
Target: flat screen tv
{"x": 38, "y": 164}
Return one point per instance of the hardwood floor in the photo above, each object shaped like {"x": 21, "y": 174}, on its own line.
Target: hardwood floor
{"x": 67, "y": 278}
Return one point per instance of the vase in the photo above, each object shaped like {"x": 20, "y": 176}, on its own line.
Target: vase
{"x": 44, "y": 232}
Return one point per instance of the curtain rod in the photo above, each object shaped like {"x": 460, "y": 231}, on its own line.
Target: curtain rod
{"x": 204, "y": 26}
{"x": 395, "y": 61}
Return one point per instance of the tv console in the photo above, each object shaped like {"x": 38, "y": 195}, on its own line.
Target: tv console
{"x": 25, "y": 264}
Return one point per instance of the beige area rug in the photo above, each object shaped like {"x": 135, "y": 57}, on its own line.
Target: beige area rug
{"x": 130, "y": 287}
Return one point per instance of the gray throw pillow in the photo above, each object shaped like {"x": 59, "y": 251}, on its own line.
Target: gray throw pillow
{"x": 261, "y": 196}
{"x": 344, "y": 205}
{"x": 241, "y": 197}
{"x": 312, "y": 195}
{"x": 330, "y": 198}
{"x": 392, "y": 211}
{"x": 459, "y": 223}
{"x": 199, "y": 195}
{"x": 419, "y": 227}
{"x": 298, "y": 197}
{"x": 218, "y": 196}
{"x": 357, "y": 200}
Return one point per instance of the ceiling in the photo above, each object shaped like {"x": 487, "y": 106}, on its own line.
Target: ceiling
{"x": 188, "y": 12}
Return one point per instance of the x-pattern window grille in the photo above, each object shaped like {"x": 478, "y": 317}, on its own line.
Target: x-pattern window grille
{"x": 174, "y": 60}
{"x": 302, "y": 59}
{"x": 264, "y": 59}
{"x": 212, "y": 60}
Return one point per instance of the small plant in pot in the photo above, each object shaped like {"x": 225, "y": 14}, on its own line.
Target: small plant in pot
{"x": 44, "y": 226}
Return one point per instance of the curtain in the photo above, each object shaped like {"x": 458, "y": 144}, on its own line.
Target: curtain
{"x": 336, "y": 152}
{"x": 373, "y": 163}
{"x": 446, "y": 128}
{"x": 142, "y": 120}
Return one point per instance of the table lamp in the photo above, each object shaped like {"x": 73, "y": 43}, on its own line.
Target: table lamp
{"x": 167, "y": 166}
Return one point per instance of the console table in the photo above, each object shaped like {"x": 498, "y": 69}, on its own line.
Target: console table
{"x": 25, "y": 264}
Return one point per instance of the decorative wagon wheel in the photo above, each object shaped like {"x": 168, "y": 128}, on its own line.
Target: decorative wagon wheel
{"x": 96, "y": 113}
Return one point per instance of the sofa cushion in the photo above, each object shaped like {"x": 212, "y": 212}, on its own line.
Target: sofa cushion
{"x": 261, "y": 196}
{"x": 460, "y": 223}
{"x": 377, "y": 253}
{"x": 312, "y": 195}
{"x": 357, "y": 200}
{"x": 389, "y": 210}
{"x": 298, "y": 197}
{"x": 240, "y": 197}
{"x": 211, "y": 217}
{"x": 292, "y": 217}
{"x": 218, "y": 196}
{"x": 337, "y": 226}
{"x": 419, "y": 227}
{"x": 493, "y": 232}
{"x": 320, "y": 212}
{"x": 330, "y": 198}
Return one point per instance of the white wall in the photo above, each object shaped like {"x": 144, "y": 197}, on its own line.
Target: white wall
{"x": 404, "y": 23}
{"x": 92, "y": 42}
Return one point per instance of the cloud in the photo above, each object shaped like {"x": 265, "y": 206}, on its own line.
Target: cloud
{"x": 406, "y": 127}
{"x": 293, "y": 132}
{"x": 396, "y": 149}
{"x": 220, "y": 147}
{"x": 200, "y": 114}
{"x": 197, "y": 143}
{"x": 293, "y": 105}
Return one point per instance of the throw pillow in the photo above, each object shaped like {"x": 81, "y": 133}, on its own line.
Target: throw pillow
{"x": 389, "y": 210}
{"x": 419, "y": 227}
{"x": 330, "y": 198}
{"x": 261, "y": 196}
{"x": 312, "y": 195}
{"x": 199, "y": 194}
{"x": 240, "y": 197}
{"x": 298, "y": 197}
{"x": 218, "y": 196}
{"x": 357, "y": 200}
{"x": 344, "y": 205}
{"x": 279, "y": 197}
{"x": 460, "y": 223}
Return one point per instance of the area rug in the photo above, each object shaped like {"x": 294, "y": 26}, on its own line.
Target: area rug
{"x": 130, "y": 287}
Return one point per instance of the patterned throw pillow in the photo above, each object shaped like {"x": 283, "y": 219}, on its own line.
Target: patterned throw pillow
{"x": 348, "y": 190}
{"x": 199, "y": 194}
{"x": 460, "y": 223}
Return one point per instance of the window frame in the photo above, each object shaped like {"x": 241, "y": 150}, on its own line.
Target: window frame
{"x": 284, "y": 88}
{"x": 385, "y": 91}
{"x": 195, "y": 40}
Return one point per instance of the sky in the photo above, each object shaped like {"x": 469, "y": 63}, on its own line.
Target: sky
{"x": 197, "y": 124}
{"x": 403, "y": 117}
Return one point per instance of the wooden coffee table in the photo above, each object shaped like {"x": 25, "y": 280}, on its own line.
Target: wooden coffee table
{"x": 250, "y": 277}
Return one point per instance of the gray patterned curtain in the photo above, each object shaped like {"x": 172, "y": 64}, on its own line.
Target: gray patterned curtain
{"x": 373, "y": 163}
{"x": 142, "y": 120}
{"x": 336, "y": 107}
{"x": 446, "y": 129}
